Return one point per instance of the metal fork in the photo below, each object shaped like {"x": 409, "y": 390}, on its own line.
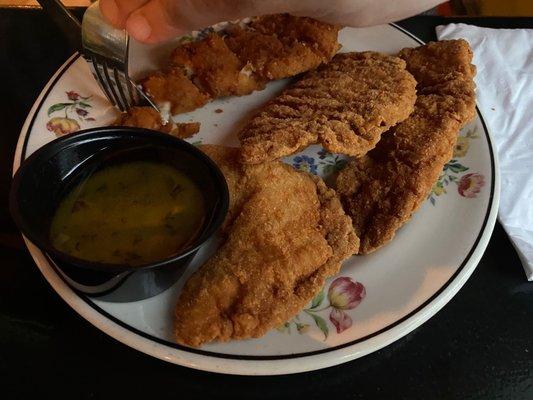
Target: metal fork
{"x": 105, "y": 49}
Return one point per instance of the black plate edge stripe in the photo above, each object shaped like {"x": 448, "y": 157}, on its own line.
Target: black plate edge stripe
{"x": 38, "y": 109}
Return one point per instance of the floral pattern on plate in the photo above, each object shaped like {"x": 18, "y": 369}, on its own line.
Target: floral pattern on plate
{"x": 343, "y": 294}
{"x": 328, "y": 163}
{"x": 331, "y": 163}
{"x": 75, "y": 111}
{"x": 305, "y": 163}
{"x": 468, "y": 185}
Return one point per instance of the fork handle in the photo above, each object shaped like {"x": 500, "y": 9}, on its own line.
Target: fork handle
{"x": 65, "y": 20}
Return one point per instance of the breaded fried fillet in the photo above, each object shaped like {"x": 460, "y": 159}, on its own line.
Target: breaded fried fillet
{"x": 345, "y": 105}
{"x": 214, "y": 68}
{"x": 172, "y": 87}
{"x": 147, "y": 117}
{"x": 281, "y": 45}
{"x": 241, "y": 60}
{"x": 381, "y": 190}
{"x": 286, "y": 232}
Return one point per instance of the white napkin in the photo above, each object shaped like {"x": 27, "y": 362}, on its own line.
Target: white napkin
{"x": 504, "y": 60}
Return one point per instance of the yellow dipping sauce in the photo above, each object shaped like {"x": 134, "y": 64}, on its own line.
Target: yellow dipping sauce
{"x": 132, "y": 213}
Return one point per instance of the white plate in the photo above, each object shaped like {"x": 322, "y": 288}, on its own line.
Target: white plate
{"x": 405, "y": 282}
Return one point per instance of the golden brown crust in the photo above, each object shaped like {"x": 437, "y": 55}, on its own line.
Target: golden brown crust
{"x": 215, "y": 68}
{"x": 185, "y": 130}
{"x": 437, "y": 63}
{"x": 148, "y": 118}
{"x": 281, "y": 45}
{"x": 345, "y": 105}
{"x": 381, "y": 190}
{"x": 169, "y": 87}
{"x": 286, "y": 233}
{"x": 241, "y": 60}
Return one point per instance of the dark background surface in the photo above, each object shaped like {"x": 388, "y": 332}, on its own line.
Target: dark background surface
{"x": 480, "y": 346}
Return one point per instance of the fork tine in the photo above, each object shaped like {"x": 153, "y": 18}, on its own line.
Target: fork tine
{"x": 132, "y": 91}
{"x": 120, "y": 85}
{"x": 100, "y": 79}
{"x": 143, "y": 98}
{"x": 123, "y": 107}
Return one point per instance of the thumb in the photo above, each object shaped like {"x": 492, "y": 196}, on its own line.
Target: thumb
{"x": 160, "y": 20}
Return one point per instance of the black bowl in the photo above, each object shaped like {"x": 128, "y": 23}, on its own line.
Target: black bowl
{"x": 47, "y": 175}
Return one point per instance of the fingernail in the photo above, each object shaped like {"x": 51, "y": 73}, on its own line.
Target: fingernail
{"x": 138, "y": 27}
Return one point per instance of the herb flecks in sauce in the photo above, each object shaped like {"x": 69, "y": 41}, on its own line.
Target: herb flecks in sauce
{"x": 132, "y": 213}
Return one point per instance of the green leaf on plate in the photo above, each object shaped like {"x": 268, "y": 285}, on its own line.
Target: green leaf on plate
{"x": 84, "y": 105}
{"x": 317, "y": 300}
{"x": 457, "y": 168}
{"x": 319, "y": 321}
{"x": 58, "y": 107}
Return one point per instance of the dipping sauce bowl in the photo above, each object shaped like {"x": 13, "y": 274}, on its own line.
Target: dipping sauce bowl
{"x": 48, "y": 175}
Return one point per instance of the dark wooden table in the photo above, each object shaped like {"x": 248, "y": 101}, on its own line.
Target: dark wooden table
{"x": 480, "y": 346}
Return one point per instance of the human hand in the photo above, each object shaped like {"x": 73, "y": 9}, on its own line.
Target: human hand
{"x": 152, "y": 21}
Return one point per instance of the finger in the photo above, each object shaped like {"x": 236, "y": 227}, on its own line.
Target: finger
{"x": 116, "y": 12}
{"x": 152, "y": 23}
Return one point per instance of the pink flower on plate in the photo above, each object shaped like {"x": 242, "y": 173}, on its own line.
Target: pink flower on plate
{"x": 340, "y": 319}
{"x": 72, "y": 95}
{"x": 470, "y": 185}
{"x": 345, "y": 293}
{"x": 62, "y": 126}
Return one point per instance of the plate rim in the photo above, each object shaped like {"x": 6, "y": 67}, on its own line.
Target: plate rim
{"x": 263, "y": 365}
